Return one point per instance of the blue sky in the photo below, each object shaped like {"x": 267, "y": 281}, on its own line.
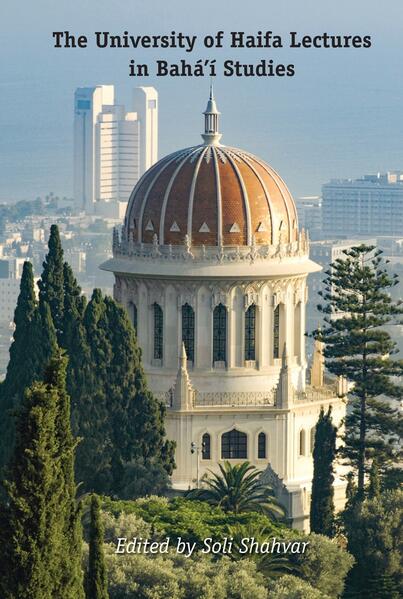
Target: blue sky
{"x": 340, "y": 116}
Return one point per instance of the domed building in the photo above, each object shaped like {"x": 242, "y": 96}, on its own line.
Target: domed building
{"x": 212, "y": 269}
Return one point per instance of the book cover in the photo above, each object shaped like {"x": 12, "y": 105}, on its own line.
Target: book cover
{"x": 201, "y": 261}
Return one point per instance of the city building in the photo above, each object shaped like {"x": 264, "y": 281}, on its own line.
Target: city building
{"x": 309, "y": 210}
{"x": 145, "y": 104}
{"x": 117, "y": 142}
{"x": 88, "y": 104}
{"x": 112, "y": 147}
{"x": 10, "y": 278}
{"x": 212, "y": 268}
{"x": 77, "y": 260}
{"x": 372, "y": 205}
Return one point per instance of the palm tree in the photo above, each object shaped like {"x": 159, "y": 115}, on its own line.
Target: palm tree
{"x": 238, "y": 489}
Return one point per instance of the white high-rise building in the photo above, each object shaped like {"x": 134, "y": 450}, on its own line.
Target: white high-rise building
{"x": 117, "y": 165}
{"x": 145, "y": 104}
{"x": 112, "y": 148}
{"x": 88, "y": 104}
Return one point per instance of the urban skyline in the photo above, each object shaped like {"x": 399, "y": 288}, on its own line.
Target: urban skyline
{"x": 340, "y": 105}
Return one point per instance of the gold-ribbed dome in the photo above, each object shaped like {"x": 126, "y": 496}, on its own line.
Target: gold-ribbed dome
{"x": 214, "y": 195}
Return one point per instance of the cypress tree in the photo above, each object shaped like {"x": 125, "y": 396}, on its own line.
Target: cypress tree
{"x": 51, "y": 283}
{"x": 79, "y": 371}
{"x": 94, "y": 452}
{"x": 131, "y": 420}
{"x": 45, "y": 335}
{"x": 112, "y": 410}
{"x": 357, "y": 305}
{"x": 31, "y": 551}
{"x": 34, "y": 341}
{"x": 69, "y": 578}
{"x": 43, "y": 553}
{"x": 21, "y": 368}
{"x": 96, "y": 584}
{"x": 72, "y": 290}
{"x": 138, "y": 417}
{"x": 322, "y": 503}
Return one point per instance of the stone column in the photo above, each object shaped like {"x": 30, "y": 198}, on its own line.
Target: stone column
{"x": 145, "y": 326}
{"x": 172, "y": 325}
{"x": 203, "y": 329}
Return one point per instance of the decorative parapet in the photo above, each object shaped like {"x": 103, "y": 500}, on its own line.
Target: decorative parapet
{"x": 243, "y": 399}
{"x": 187, "y": 252}
{"x": 236, "y": 399}
{"x": 316, "y": 394}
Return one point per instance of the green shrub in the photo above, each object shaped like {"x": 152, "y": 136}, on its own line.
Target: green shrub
{"x": 176, "y": 577}
{"x": 324, "y": 564}
{"x": 193, "y": 521}
{"x": 321, "y": 570}
{"x": 375, "y": 538}
{"x": 291, "y": 587}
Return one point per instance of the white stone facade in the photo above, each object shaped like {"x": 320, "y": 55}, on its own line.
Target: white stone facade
{"x": 265, "y": 395}
{"x": 212, "y": 269}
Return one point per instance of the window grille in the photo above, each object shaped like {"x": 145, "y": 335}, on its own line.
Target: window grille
{"x": 250, "y": 333}
{"x": 276, "y": 332}
{"x": 206, "y": 447}
{"x": 261, "y": 446}
{"x": 220, "y": 334}
{"x": 188, "y": 330}
{"x": 158, "y": 332}
{"x": 234, "y": 445}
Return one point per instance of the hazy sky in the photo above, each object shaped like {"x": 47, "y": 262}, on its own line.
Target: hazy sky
{"x": 340, "y": 116}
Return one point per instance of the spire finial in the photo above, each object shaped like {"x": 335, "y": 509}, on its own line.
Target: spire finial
{"x": 211, "y": 89}
{"x": 285, "y": 357}
{"x": 183, "y": 356}
{"x": 211, "y": 135}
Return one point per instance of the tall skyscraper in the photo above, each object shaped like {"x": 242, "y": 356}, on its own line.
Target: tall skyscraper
{"x": 112, "y": 147}
{"x": 117, "y": 150}
{"x": 88, "y": 104}
{"x": 145, "y": 104}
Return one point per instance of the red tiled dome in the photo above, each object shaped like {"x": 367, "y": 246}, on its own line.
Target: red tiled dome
{"x": 214, "y": 194}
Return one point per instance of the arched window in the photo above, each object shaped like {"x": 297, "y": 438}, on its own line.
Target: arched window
{"x": 220, "y": 334}
{"x": 276, "y": 332}
{"x": 250, "y": 333}
{"x": 302, "y": 442}
{"x": 188, "y": 330}
{"x": 312, "y": 439}
{"x": 261, "y": 446}
{"x": 206, "y": 446}
{"x": 234, "y": 445}
{"x": 133, "y": 315}
{"x": 158, "y": 332}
